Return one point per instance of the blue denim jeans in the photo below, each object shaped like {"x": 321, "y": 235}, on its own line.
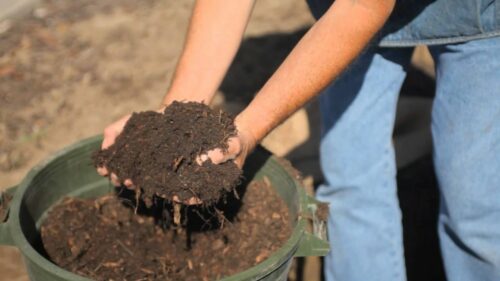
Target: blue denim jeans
{"x": 357, "y": 159}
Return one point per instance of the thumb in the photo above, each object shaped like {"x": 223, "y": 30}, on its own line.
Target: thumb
{"x": 109, "y": 138}
{"x": 218, "y": 155}
{"x": 113, "y": 130}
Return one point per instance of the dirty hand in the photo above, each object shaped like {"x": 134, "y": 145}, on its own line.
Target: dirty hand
{"x": 111, "y": 132}
{"x": 238, "y": 149}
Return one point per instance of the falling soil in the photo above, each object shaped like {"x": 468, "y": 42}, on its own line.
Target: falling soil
{"x": 104, "y": 240}
{"x": 158, "y": 152}
{"x": 5, "y": 200}
{"x": 322, "y": 211}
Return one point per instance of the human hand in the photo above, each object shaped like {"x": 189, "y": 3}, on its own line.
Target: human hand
{"x": 238, "y": 148}
{"x": 110, "y": 133}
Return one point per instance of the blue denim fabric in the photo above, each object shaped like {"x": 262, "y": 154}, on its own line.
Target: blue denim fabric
{"x": 357, "y": 159}
{"x": 466, "y": 134}
{"x": 432, "y": 22}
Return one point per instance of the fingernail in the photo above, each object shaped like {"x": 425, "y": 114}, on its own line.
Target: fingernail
{"x": 102, "y": 171}
{"x": 128, "y": 183}
{"x": 193, "y": 201}
{"x": 114, "y": 180}
{"x": 201, "y": 158}
{"x": 217, "y": 156}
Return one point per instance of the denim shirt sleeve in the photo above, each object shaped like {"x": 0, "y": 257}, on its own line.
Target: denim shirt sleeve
{"x": 430, "y": 22}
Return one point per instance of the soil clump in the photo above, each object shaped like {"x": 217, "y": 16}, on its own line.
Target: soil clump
{"x": 158, "y": 152}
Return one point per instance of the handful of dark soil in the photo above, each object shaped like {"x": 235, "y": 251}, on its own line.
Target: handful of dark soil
{"x": 158, "y": 152}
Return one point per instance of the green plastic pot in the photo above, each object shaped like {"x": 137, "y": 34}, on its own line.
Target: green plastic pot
{"x": 70, "y": 173}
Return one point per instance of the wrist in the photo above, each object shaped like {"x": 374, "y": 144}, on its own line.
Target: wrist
{"x": 246, "y": 139}
{"x": 251, "y": 127}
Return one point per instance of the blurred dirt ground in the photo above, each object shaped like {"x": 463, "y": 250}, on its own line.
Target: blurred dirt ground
{"x": 72, "y": 67}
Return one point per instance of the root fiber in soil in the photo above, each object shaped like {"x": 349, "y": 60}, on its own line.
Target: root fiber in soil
{"x": 158, "y": 152}
{"x": 104, "y": 240}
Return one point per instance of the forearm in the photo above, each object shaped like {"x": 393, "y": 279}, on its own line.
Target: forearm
{"x": 320, "y": 56}
{"x": 213, "y": 38}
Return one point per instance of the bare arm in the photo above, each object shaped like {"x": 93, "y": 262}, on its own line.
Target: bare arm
{"x": 213, "y": 38}
{"x": 319, "y": 57}
{"x": 322, "y": 54}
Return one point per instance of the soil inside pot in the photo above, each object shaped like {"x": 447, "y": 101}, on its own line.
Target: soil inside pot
{"x": 104, "y": 240}
{"x": 158, "y": 151}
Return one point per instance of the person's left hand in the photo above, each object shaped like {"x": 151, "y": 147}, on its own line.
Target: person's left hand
{"x": 110, "y": 134}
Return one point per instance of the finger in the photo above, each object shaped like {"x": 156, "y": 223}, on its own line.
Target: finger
{"x": 107, "y": 141}
{"x": 190, "y": 201}
{"x": 233, "y": 150}
{"x": 193, "y": 201}
{"x": 218, "y": 156}
{"x": 112, "y": 131}
{"x": 201, "y": 158}
{"x": 102, "y": 171}
{"x": 114, "y": 180}
{"x": 234, "y": 146}
{"x": 128, "y": 183}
